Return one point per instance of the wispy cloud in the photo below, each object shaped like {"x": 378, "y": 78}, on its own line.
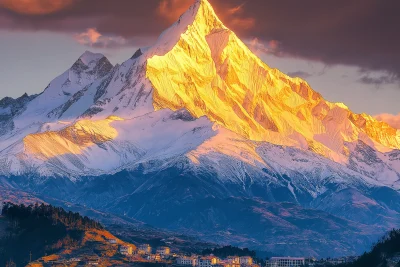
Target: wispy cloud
{"x": 172, "y": 9}
{"x": 378, "y": 79}
{"x": 301, "y": 74}
{"x": 392, "y": 120}
{"x": 91, "y": 37}
{"x": 330, "y": 32}
{"x": 258, "y": 47}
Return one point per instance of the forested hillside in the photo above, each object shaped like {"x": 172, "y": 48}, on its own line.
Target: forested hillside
{"x": 31, "y": 232}
{"x": 385, "y": 253}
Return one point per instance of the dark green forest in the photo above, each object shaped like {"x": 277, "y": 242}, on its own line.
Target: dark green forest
{"x": 38, "y": 230}
{"x": 226, "y": 251}
{"x": 381, "y": 253}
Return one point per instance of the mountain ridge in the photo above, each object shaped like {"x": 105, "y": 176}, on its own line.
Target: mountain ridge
{"x": 284, "y": 112}
{"x": 198, "y": 108}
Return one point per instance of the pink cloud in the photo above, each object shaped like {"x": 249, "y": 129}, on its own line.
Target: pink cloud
{"x": 258, "y": 47}
{"x": 235, "y": 9}
{"x": 91, "y": 37}
{"x": 392, "y": 120}
{"x": 35, "y": 7}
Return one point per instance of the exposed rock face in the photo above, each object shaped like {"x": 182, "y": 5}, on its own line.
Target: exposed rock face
{"x": 9, "y": 108}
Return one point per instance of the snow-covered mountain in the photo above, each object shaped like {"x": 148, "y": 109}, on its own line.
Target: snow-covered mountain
{"x": 197, "y": 118}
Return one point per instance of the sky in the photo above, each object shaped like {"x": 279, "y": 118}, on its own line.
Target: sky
{"x": 346, "y": 50}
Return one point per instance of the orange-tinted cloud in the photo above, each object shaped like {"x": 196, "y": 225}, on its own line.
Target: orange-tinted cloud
{"x": 35, "y": 7}
{"x": 234, "y": 16}
{"x": 244, "y": 23}
{"x": 258, "y": 47}
{"x": 91, "y": 37}
{"x": 235, "y": 9}
{"x": 392, "y": 120}
{"x": 172, "y": 9}
{"x": 331, "y": 31}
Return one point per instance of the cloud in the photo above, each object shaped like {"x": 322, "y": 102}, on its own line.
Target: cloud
{"x": 172, "y": 9}
{"x": 387, "y": 79}
{"x": 244, "y": 23}
{"x": 236, "y": 9}
{"x": 329, "y": 31}
{"x": 379, "y": 79}
{"x": 35, "y": 7}
{"x": 258, "y": 47}
{"x": 234, "y": 16}
{"x": 392, "y": 120}
{"x": 301, "y": 74}
{"x": 91, "y": 37}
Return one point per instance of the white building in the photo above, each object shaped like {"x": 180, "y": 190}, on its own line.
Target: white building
{"x": 126, "y": 250}
{"x": 163, "y": 251}
{"x": 112, "y": 241}
{"x": 233, "y": 259}
{"x": 154, "y": 257}
{"x": 207, "y": 261}
{"x": 144, "y": 249}
{"x": 286, "y": 262}
{"x": 246, "y": 260}
{"x": 187, "y": 261}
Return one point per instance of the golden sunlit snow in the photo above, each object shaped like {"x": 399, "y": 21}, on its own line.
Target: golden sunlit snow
{"x": 211, "y": 72}
{"x": 73, "y": 139}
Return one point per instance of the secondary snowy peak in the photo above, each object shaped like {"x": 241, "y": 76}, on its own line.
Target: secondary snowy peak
{"x": 89, "y": 57}
{"x": 9, "y": 108}
{"x": 60, "y": 93}
{"x": 89, "y": 67}
{"x": 201, "y": 65}
{"x": 9, "y": 105}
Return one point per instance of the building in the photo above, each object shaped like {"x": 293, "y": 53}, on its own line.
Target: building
{"x": 154, "y": 257}
{"x": 112, "y": 241}
{"x": 285, "y": 262}
{"x": 246, "y": 261}
{"x": 336, "y": 261}
{"x": 226, "y": 263}
{"x": 144, "y": 249}
{"x": 163, "y": 251}
{"x": 126, "y": 250}
{"x": 207, "y": 261}
{"x": 186, "y": 261}
{"x": 231, "y": 261}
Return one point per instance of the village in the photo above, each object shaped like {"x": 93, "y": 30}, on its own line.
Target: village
{"x": 144, "y": 253}
{"x": 164, "y": 254}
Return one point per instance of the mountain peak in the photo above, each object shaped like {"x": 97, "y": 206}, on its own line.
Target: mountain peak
{"x": 199, "y": 18}
{"x": 202, "y": 66}
{"x": 206, "y": 15}
{"x": 89, "y": 57}
{"x": 95, "y": 64}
